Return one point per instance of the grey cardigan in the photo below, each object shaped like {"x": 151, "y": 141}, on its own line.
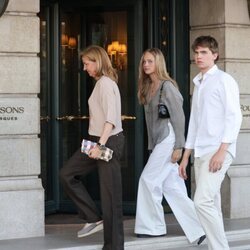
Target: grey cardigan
{"x": 158, "y": 128}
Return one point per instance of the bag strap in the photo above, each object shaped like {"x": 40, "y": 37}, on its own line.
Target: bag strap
{"x": 161, "y": 92}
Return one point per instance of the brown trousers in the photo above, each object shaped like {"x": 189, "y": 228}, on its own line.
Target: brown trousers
{"x": 110, "y": 189}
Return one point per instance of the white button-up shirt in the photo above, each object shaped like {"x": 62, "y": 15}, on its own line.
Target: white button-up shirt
{"x": 215, "y": 114}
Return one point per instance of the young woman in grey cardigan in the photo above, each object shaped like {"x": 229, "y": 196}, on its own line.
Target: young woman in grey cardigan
{"x": 165, "y": 139}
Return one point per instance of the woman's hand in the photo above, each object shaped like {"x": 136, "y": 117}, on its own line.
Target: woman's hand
{"x": 95, "y": 152}
{"x": 176, "y": 155}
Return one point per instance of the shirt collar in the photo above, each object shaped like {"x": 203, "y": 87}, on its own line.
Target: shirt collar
{"x": 199, "y": 77}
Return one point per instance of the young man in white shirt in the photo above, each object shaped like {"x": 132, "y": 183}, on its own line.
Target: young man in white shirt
{"x": 214, "y": 125}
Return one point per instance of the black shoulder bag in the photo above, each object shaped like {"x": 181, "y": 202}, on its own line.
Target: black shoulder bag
{"x": 162, "y": 108}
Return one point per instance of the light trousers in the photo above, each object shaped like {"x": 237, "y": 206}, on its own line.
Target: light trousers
{"x": 160, "y": 177}
{"x": 207, "y": 200}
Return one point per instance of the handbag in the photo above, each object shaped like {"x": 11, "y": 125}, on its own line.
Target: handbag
{"x": 106, "y": 153}
{"x": 163, "y": 112}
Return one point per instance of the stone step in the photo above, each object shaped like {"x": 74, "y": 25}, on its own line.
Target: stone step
{"x": 63, "y": 237}
{"x": 239, "y": 239}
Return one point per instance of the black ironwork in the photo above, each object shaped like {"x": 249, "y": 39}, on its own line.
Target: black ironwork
{"x": 164, "y": 26}
{"x": 3, "y": 6}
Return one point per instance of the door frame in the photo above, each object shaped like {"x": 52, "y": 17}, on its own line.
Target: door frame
{"x": 137, "y": 9}
{"x": 147, "y": 32}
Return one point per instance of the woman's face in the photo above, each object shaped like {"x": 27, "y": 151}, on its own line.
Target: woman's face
{"x": 148, "y": 63}
{"x": 89, "y": 66}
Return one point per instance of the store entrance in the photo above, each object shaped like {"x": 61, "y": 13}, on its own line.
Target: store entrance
{"x": 66, "y": 28}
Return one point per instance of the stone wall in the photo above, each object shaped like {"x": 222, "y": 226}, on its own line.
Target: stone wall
{"x": 21, "y": 192}
{"x": 228, "y": 21}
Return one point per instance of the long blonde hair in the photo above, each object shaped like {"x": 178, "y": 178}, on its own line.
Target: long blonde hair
{"x": 144, "y": 81}
{"x": 104, "y": 66}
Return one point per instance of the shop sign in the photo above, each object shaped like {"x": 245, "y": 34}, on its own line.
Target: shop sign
{"x": 9, "y": 113}
{"x": 19, "y": 116}
{"x": 245, "y": 110}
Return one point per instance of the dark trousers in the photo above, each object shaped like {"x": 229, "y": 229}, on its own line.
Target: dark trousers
{"x": 110, "y": 188}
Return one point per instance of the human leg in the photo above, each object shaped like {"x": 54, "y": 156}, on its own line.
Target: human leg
{"x": 150, "y": 218}
{"x": 206, "y": 201}
{"x": 79, "y": 165}
{"x": 182, "y": 206}
{"x": 111, "y": 196}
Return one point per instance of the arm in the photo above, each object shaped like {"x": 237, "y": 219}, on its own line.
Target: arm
{"x": 192, "y": 128}
{"x": 176, "y": 155}
{"x": 95, "y": 152}
{"x": 184, "y": 163}
{"x": 174, "y": 103}
{"x": 231, "y": 103}
{"x": 218, "y": 158}
{"x": 108, "y": 106}
{"x": 233, "y": 118}
{"x": 173, "y": 100}
{"x": 108, "y": 127}
{"x": 189, "y": 145}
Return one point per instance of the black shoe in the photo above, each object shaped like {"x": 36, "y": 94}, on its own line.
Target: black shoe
{"x": 201, "y": 239}
{"x": 149, "y": 235}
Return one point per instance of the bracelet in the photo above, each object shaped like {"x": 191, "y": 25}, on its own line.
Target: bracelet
{"x": 100, "y": 146}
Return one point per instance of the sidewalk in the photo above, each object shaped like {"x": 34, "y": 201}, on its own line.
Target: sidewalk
{"x": 63, "y": 236}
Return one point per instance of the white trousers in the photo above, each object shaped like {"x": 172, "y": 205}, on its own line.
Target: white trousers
{"x": 207, "y": 200}
{"x": 160, "y": 177}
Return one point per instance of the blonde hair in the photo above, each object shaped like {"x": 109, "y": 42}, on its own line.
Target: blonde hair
{"x": 144, "y": 81}
{"x": 103, "y": 64}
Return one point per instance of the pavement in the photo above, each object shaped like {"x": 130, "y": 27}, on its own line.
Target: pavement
{"x": 60, "y": 233}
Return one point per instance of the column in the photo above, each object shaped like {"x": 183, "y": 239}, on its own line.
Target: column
{"x": 21, "y": 192}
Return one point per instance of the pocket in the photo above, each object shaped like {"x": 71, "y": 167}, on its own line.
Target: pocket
{"x": 227, "y": 163}
{"x": 116, "y": 143}
{"x": 120, "y": 146}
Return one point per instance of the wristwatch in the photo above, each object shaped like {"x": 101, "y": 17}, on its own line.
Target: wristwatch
{"x": 100, "y": 146}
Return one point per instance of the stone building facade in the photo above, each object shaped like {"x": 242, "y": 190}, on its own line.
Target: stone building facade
{"x": 228, "y": 21}
{"x": 21, "y": 191}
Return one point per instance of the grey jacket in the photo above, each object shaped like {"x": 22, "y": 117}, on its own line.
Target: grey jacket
{"x": 158, "y": 128}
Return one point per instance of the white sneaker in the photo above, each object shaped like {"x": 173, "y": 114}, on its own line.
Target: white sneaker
{"x": 90, "y": 228}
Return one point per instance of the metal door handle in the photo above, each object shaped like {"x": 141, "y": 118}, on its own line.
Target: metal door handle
{"x": 44, "y": 118}
{"x": 72, "y": 117}
{"x": 126, "y": 117}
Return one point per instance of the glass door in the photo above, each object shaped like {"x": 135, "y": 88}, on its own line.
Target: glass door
{"x": 66, "y": 89}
